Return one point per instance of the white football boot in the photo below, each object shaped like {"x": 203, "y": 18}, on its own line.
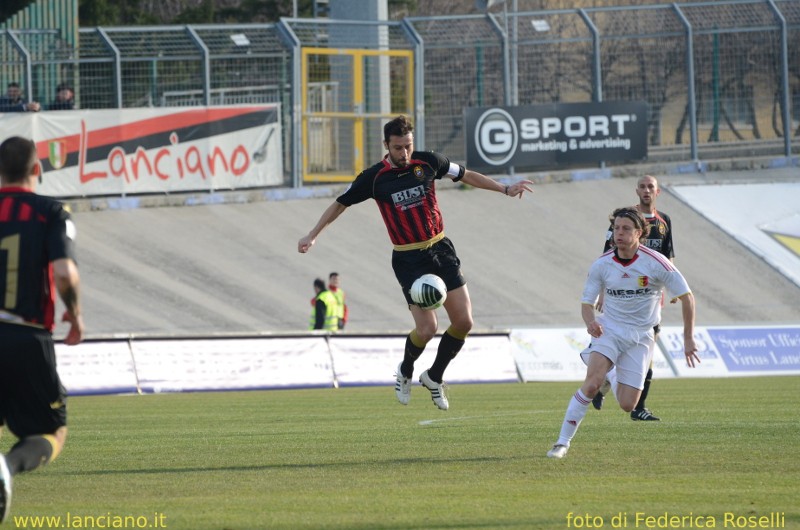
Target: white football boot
{"x": 402, "y": 387}
{"x": 5, "y": 489}
{"x": 558, "y": 451}
{"x": 438, "y": 390}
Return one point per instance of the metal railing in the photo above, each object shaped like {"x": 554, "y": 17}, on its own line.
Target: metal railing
{"x": 722, "y": 73}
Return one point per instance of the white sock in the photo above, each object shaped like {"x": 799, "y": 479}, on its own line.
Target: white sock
{"x": 576, "y": 410}
{"x": 612, "y": 378}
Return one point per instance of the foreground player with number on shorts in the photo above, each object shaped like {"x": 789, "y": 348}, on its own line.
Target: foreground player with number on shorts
{"x": 403, "y": 186}
{"x": 632, "y": 278}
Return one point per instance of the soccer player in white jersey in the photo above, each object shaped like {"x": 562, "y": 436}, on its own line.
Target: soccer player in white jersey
{"x": 632, "y": 278}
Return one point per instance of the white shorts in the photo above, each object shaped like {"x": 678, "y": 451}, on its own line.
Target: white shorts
{"x": 629, "y": 349}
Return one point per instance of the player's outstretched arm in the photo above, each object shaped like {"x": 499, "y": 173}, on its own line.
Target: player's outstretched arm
{"x": 67, "y": 280}
{"x": 689, "y": 346}
{"x": 330, "y": 214}
{"x": 479, "y": 180}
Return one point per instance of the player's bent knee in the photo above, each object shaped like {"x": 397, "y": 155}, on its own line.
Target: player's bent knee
{"x": 426, "y": 333}
{"x": 462, "y": 325}
{"x": 590, "y": 388}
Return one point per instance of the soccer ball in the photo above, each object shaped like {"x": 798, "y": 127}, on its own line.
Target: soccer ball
{"x": 429, "y": 291}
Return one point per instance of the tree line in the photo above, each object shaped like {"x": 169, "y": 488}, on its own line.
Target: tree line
{"x": 155, "y": 12}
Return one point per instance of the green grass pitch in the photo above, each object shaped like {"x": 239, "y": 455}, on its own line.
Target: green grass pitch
{"x": 353, "y": 458}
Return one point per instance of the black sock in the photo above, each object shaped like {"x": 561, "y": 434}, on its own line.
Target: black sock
{"x": 645, "y": 390}
{"x": 410, "y": 355}
{"x": 28, "y": 454}
{"x": 449, "y": 347}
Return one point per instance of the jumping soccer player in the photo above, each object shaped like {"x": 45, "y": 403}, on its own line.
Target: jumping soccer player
{"x": 403, "y": 186}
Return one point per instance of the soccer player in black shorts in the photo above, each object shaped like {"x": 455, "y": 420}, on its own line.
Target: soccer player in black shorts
{"x": 36, "y": 261}
{"x": 660, "y": 240}
{"x": 403, "y": 186}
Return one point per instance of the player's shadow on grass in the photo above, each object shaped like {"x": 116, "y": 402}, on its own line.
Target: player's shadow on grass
{"x": 265, "y": 467}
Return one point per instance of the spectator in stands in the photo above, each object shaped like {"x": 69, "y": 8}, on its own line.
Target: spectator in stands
{"x": 13, "y": 101}
{"x": 65, "y": 98}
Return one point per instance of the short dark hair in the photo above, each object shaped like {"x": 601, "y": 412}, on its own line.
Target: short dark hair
{"x": 400, "y": 126}
{"x": 13, "y": 84}
{"x": 17, "y": 159}
{"x": 64, "y": 86}
{"x": 318, "y": 283}
{"x": 331, "y": 275}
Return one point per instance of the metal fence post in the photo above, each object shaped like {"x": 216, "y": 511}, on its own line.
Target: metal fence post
{"x": 787, "y": 122}
{"x": 288, "y": 35}
{"x": 26, "y": 56}
{"x": 597, "y": 72}
{"x": 117, "y": 64}
{"x": 206, "y": 64}
{"x": 506, "y": 59}
{"x": 514, "y": 53}
{"x": 419, "y": 83}
{"x": 690, "y": 81}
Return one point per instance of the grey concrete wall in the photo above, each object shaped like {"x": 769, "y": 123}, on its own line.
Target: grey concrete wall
{"x": 235, "y": 267}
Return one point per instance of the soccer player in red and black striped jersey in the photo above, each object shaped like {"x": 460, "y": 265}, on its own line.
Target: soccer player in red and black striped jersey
{"x": 659, "y": 239}
{"x": 403, "y": 186}
{"x": 36, "y": 261}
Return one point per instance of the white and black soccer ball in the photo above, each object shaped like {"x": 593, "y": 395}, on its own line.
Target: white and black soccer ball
{"x": 429, "y": 291}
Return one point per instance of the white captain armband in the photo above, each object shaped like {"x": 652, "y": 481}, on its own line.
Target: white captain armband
{"x": 456, "y": 171}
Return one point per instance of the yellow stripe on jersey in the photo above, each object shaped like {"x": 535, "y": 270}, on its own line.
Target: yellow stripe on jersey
{"x": 422, "y": 244}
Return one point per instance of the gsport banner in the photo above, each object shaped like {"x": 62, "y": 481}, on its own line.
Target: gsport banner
{"x": 556, "y": 134}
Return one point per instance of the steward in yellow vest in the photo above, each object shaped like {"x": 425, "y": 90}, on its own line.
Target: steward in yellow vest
{"x": 325, "y": 314}
{"x": 338, "y": 292}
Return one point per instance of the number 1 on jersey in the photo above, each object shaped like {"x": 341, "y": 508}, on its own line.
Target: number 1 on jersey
{"x": 10, "y": 245}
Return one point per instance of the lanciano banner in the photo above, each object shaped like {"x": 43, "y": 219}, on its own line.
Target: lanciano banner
{"x": 153, "y": 150}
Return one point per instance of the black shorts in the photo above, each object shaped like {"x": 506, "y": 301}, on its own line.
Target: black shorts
{"x": 440, "y": 259}
{"x": 32, "y": 398}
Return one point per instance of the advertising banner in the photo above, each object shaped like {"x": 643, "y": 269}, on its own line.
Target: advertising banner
{"x": 96, "y": 368}
{"x": 366, "y": 360}
{"x": 758, "y": 349}
{"x": 554, "y": 355}
{"x": 153, "y": 150}
{"x": 232, "y": 364}
{"x": 741, "y": 350}
{"x": 374, "y": 360}
{"x": 484, "y": 359}
{"x": 711, "y": 365}
{"x": 549, "y": 354}
{"x": 556, "y": 134}
{"x": 771, "y": 228}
